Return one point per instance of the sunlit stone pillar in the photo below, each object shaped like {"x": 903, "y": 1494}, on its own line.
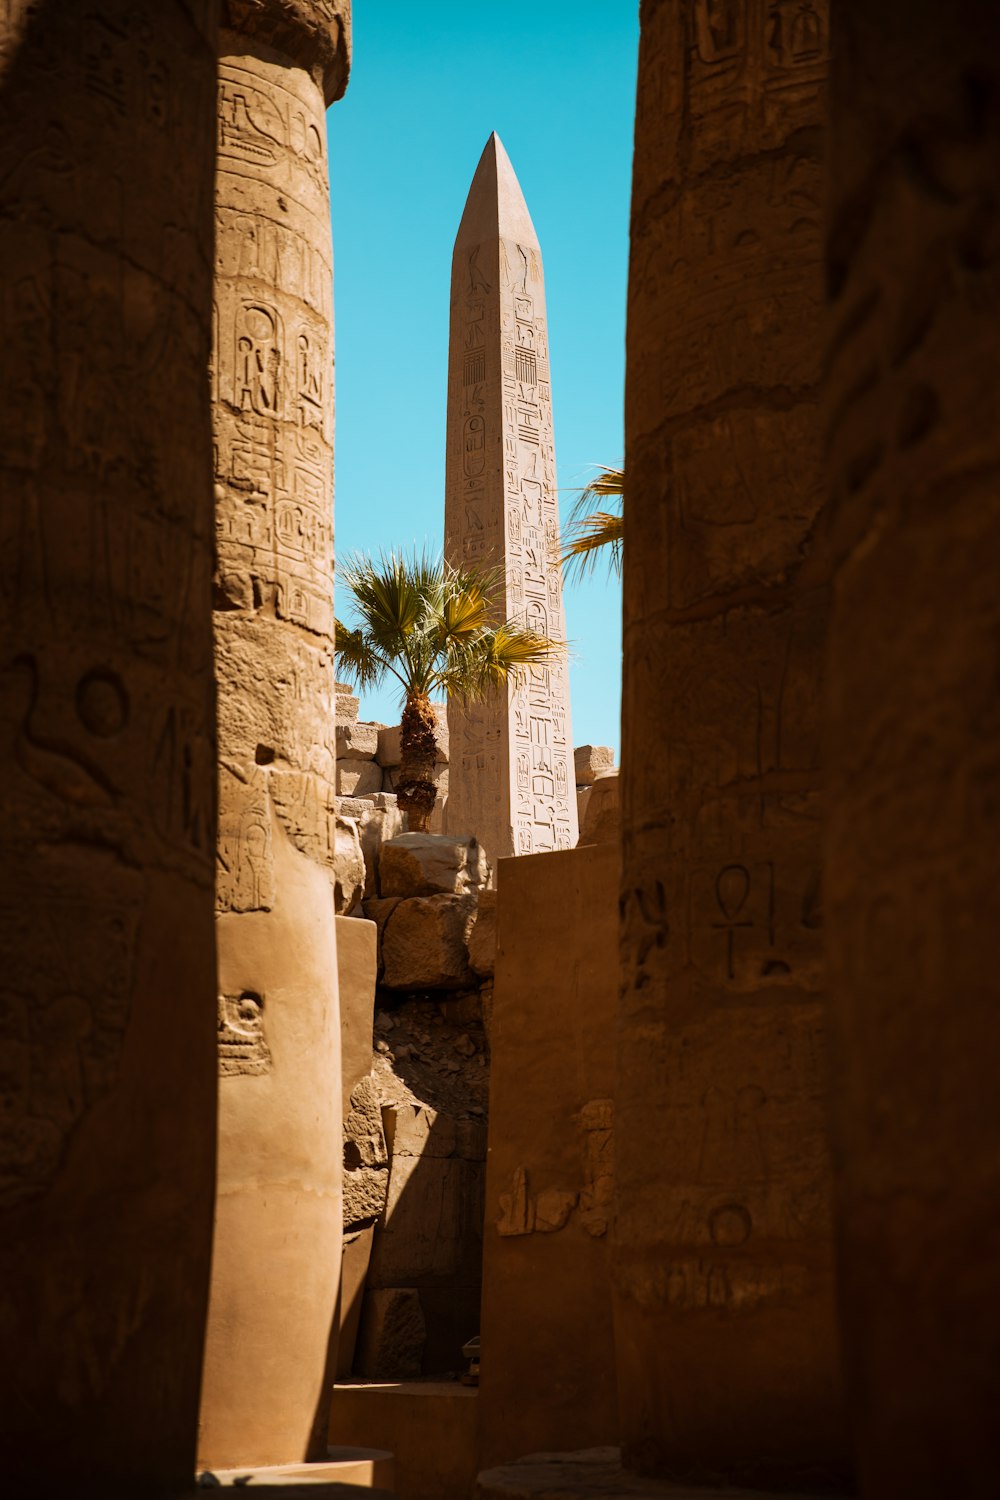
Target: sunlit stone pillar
{"x": 724, "y": 1266}
{"x": 913, "y": 412}
{"x": 277, "y": 1247}
{"x": 107, "y": 783}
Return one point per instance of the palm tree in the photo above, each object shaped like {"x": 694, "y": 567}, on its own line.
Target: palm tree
{"x": 429, "y": 625}
{"x": 591, "y": 532}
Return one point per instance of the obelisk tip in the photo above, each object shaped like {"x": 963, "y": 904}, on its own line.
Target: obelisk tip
{"x": 495, "y": 207}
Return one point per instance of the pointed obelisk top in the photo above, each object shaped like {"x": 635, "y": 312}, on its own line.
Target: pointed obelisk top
{"x": 495, "y": 207}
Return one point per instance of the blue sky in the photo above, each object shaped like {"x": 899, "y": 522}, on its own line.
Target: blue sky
{"x": 556, "y": 80}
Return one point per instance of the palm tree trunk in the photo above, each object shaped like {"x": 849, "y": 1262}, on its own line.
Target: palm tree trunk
{"x": 415, "y": 789}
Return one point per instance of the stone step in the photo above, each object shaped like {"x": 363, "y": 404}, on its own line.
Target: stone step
{"x": 346, "y": 1474}
{"x": 597, "y": 1474}
{"x": 430, "y": 1426}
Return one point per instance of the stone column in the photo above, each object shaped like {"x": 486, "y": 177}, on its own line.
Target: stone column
{"x": 278, "y": 1223}
{"x": 724, "y": 1268}
{"x": 107, "y": 816}
{"x": 910, "y": 874}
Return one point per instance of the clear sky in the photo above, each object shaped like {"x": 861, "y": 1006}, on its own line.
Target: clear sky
{"x": 556, "y": 80}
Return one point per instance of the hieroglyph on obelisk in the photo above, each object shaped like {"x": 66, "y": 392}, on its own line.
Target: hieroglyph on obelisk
{"x": 512, "y": 782}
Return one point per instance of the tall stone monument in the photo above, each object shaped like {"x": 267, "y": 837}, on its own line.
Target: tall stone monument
{"x": 512, "y": 782}
{"x": 278, "y": 1222}
{"x": 107, "y": 783}
{"x": 728, "y": 1359}
{"x": 913, "y": 733}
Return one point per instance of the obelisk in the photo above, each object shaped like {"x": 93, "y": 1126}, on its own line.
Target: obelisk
{"x": 511, "y": 758}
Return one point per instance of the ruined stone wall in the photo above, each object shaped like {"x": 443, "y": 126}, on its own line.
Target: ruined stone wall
{"x": 107, "y": 787}
{"x": 913, "y": 265}
{"x": 724, "y": 1265}
{"x": 548, "y": 1367}
{"x": 280, "y": 1162}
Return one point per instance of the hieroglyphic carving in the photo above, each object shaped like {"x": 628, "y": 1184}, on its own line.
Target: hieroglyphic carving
{"x": 273, "y": 376}
{"x": 502, "y": 510}
{"x": 243, "y": 1049}
{"x": 725, "y": 603}
{"x": 65, "y": 999}
{"x": 590, "y": 1203}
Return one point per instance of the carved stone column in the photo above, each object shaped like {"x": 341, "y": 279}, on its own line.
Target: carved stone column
{"x": 278, "y": 1224}
{"x": 724, "y": 1260}
{"x": 107, "y": 787}
{"x": 914, "y": 733}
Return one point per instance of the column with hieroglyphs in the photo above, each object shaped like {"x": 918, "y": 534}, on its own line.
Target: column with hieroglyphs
{"x": 107, "y": 744}
{"x": 512, "y": 781}
{"x": 278, "y": 1221}
{"x": 726, "y": 1339}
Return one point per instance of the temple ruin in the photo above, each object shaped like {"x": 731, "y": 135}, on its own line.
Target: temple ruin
{"x": 691, "y": 1110}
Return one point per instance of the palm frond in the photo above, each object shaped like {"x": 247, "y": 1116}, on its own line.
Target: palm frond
{"x": 499, "y": 656}
{"x": 590, "y": 532}
{"x": 358, "y": 657}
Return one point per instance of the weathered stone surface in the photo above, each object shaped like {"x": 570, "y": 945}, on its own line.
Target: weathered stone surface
{"x": 601, "y": 821}
{"x": 414, "y": 1131}
{"x": 426, "y": 864}
{"x": 278, "y": 1218}
{"x": 546, "y": 1251}
{"x": 364, "y": 1193}
{"x": 389, "y": 750}
{"x": 357, "y": 741}
{"x": 108, "y": 764}
{"x": 592, "y": 761}
{"x": 358, "y": 778}
{"x": 725, "y": 1334}
{"x": 393, "y": 1334}
{"x": 427, "y": 1207}
{"x": 425, "y": 943}
{"x": 364, "y": 1122}
{"x": 379, "y": 909}
{"x": 377, "y": 829}
{"x": 366, "y": 1159}
{"x": 349, "y": 867}
{"x": 511, "y": 768}
{"x": 483, "y": 937}
{"x": 347, "y": 704}
{"x": 913, "y": 735}
{"x": 353, "y": 1270}
{"x": 357, "y": 959}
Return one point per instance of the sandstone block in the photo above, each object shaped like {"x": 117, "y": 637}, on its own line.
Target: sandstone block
{"x": 366, "y": 1158}
{"x": 364, "y": 1195}
{"x": 414, "y": 1131}
{"x": 420, "y": 1238}
{"x": 347, "y": 704}
{"x": 358, "y": 778}
{"x": 601, "y": 822}
{"x": 376, "y": 828}
{"x": 348, "y": 867}
{"x": 357, "y": 967}
{"x": 483, "y": 937}
{"x": 425, "y": 943}
{"x": 426, "y": 864}
{"x": 393, "y": 1334}
{"x": 357, "y": 741}
{"x": 592, "y": 762}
